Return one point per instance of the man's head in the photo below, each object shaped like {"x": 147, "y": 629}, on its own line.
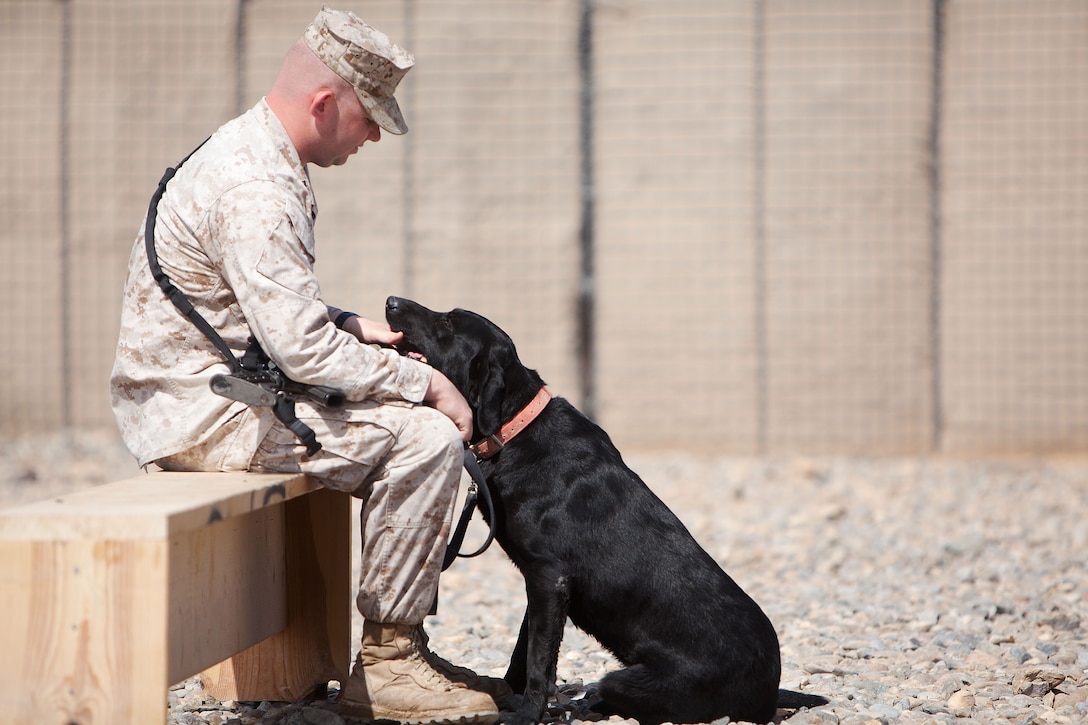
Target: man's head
{"x": 365, "y": 58}
{"x": 335, "y": 88}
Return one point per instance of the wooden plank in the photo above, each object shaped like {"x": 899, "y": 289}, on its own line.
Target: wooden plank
{"x": 84, "y": 632}
{"x": 151, "y": 506}
{"x": 226, "y": 589}
{"x": 315, "y": 646}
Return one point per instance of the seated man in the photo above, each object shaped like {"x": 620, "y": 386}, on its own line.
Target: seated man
{"x": 234, "y": 232}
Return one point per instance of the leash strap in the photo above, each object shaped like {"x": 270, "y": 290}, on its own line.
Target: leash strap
{"x": 478, "y": 488}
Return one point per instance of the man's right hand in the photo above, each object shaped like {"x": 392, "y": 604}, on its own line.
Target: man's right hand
{"x": 445, "y": 398}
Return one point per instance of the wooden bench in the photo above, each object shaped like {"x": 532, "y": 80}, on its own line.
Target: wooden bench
{"x": 113, "y": 593}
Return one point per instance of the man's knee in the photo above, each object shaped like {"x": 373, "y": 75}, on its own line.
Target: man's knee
{"x": 431, "y": 431}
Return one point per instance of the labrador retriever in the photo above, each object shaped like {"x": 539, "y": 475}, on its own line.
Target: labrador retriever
{"x": 596, "y": 545}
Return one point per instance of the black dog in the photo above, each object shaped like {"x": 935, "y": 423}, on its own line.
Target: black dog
{"x": 596, "y": 545}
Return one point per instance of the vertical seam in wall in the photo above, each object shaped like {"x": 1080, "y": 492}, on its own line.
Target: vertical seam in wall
{"x": 240, "y": 58}
{"x": 935, "y": 240}
{"x": 409, "y": 191}
{"x": 586, "y": 299}
{"x": 65, "y": 213}
{"x": 759, "y": 231}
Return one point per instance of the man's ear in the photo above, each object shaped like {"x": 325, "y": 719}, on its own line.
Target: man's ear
{"x": 324, "y": 110}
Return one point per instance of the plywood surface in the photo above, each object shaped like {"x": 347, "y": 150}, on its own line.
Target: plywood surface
{"x": 151, "y": 506}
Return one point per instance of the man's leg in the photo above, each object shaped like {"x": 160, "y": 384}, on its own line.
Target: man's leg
{"x": 406, "y": 470}
{"x": 405, "y": 519}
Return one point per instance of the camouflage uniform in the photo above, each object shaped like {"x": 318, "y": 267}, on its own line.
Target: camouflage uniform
{"x": 235, "y": 234}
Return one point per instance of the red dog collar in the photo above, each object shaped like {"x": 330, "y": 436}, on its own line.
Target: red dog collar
{"x": 494, "y": 443}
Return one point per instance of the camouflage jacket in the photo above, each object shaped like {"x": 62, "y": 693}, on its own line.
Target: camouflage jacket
{"x": 235, "y": 233}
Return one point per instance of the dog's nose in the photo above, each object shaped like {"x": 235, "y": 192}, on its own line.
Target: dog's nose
{"x": 392, "y": 304}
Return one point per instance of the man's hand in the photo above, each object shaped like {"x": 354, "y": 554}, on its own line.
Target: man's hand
{"x": 371, "y": 331}
{"x": 445, "y": 398}
{"x": 441, "y": 393}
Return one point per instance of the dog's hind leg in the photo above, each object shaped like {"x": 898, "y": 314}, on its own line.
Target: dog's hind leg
{"x": 666, "y": 693}
{"x": 635, "y": 692}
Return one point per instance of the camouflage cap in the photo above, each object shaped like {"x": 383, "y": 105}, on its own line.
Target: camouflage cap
{"x": 365, "y": 58}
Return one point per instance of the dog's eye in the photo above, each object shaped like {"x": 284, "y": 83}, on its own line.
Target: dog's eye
{"x": 446, "y": 322}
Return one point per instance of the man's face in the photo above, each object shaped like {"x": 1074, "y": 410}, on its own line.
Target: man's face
{"x": 353, "y": 128}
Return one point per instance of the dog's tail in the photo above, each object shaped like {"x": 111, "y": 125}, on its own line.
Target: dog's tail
{"x": 790, "y": 700}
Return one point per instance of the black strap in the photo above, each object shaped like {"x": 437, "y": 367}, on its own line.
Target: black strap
{"x": 177, "y": 296}
{"x": 284, "y": 409}
{"x": 453, "y": 549}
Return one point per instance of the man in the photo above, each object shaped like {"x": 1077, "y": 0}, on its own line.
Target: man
{"x": 234, "y": 232}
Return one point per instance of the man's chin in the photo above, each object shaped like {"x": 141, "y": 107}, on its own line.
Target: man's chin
{"x": 326, "y": 163}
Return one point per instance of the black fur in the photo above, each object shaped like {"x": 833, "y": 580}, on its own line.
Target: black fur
{"x": 596, "y": 545}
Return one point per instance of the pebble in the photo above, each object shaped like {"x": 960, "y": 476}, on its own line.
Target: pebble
{"x": 910, "y": 590}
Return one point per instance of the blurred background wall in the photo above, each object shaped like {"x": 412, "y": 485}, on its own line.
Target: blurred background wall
{"x": 748, "y": 226}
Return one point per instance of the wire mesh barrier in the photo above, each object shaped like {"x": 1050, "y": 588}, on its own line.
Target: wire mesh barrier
{"x": 751, "y": 226}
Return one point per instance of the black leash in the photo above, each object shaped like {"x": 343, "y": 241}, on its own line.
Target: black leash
{"x": 478, "y": 487}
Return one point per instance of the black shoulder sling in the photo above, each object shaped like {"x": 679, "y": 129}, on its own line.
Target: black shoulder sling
{"x": 254, "y": 379}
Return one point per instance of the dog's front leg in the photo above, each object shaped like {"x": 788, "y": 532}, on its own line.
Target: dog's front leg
{"x": 545, "y": 617}
{"x": 515, "y": 672}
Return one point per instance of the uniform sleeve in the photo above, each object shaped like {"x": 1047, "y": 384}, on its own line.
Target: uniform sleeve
{"x": 264, "y": 245}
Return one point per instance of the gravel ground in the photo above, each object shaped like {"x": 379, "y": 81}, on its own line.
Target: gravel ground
{"x": 903, "y": 590}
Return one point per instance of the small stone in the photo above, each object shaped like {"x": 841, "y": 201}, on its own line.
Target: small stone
{"x": 1038, "y": 681}
{"x": 1071, "y": 699}
{"x": 926, "y": 620}
{"x": 813, "y": 717}
{"x": 984, "y": 661}
{"x": 961, "y": 701}
{"x": 1062, "y": 622}
{"x": 319, "y": 716}
{"x": 883, "y": 711}
{"x": 1019, "y": 655}
{"x": 824, "y": 665}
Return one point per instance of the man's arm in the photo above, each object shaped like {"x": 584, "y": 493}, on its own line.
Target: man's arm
{"x": 441, "y": 393}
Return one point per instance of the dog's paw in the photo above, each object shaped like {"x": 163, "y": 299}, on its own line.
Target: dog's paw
{"x": 512, "y": 718}
{"x": 601, "y": 708}
{"x": 519, "y": 717}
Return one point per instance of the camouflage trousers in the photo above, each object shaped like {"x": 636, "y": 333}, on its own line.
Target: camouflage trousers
{"x": 403, "y": 461}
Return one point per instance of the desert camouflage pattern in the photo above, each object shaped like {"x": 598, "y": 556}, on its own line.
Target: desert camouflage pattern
{"x": 235, "y": 233}
{"x": 405, "y": 466}
{"x": 365, "y": 58}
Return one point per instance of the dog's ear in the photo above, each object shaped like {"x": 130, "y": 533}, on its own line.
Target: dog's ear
{"x": 489, "y": 381}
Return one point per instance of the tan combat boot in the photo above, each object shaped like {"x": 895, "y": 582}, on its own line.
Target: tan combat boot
{"x": 392, "y": 680}
{"x": 496, "y": 687}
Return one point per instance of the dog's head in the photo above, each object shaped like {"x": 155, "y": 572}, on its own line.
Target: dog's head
{"x": 473, "y": 352}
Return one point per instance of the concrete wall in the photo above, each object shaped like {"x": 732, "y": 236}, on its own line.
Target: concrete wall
{"x": 818, "y": 225}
